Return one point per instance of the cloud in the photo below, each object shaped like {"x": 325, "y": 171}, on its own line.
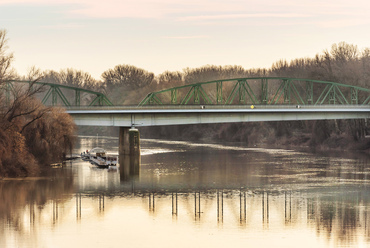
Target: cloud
{"x": 341, "y": 23}
{"x": 186, "y": 37}
{"x": 157, "y": 8}
{"x": 241, "y": 16}
{"x": 120, "y": 9}
{"x": 336, "y": 12}
{"x": 63, "y": 26}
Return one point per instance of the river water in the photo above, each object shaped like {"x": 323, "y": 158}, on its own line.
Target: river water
{"x": 193, "y": 195}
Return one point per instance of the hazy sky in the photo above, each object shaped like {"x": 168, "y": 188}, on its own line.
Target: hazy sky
{"x": 160, "y": 35}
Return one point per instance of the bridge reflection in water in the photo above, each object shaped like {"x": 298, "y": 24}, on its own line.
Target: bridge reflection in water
{"x": 243, "y": 207}
{"x": 236, "y": 200}
{"x": 216, "y": 203}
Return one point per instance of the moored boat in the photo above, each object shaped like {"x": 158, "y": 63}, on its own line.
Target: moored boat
{"x": 98, "y": 157}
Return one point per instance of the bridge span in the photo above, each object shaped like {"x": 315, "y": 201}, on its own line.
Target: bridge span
{"x": 129, "y": 117}
{"x": 208, "y": 114}
{"x": 231, "y": 100}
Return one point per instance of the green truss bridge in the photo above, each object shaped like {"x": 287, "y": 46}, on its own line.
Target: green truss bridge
{"x": 261, "y": 91}
{"x": 57, "y": 94}
{"x": 236, "y": 100}
{"x": 239, "y": 91}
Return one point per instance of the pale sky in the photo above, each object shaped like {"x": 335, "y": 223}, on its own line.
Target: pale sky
{"x": 159, "y": 35}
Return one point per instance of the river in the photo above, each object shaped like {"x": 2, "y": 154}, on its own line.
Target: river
{"x": 193, "y": 195}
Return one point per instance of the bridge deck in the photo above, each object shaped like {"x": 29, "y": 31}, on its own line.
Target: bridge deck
{"x": 177, "y": 115}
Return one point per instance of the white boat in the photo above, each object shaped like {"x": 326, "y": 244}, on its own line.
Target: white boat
{"x": 98, "y": 157}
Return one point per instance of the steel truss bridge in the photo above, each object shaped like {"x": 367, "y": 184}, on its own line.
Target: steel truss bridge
{"x": 238, "y": 91}
{"x": 236, "y": 100}
{"x": 261, "y": 91}
{"x": 219, "y": 101}
{"x": 57, "y": 94}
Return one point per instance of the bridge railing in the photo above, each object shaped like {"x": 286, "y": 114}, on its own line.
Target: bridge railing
{"x": 260, "y": 91}
{"x": 56, "y": 94}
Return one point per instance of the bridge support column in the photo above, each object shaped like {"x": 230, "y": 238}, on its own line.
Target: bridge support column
{"x": 129, "y": 141}
{"x": 129, "y": 152}
{"x": 129, "y": 167}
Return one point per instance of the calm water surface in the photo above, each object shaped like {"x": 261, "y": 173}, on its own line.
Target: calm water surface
{"x": 193, "y": 195}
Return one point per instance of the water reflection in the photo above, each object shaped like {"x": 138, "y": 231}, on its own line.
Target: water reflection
{"x": 334, "y": 217}
{"x": 220, "y": 195}
{"x": 27, "y": 202}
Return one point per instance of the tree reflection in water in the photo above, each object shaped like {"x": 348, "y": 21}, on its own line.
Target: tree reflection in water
{"x": 23, "y": 202}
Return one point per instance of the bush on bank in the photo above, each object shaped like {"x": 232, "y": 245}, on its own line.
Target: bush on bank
{"x": 32, "y": 140}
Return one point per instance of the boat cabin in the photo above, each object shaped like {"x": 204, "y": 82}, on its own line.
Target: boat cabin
{"x": 97, "y": 152}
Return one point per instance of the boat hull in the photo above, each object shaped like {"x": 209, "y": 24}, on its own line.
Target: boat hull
{"x": 97, "y": 156}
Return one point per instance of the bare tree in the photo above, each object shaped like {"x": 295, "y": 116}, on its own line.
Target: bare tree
{"x": 344, "y": 52}
{"x": 128, "y": 76}
{"x": 127, "y": 84}
{"x": 212, "y": 72}
{"x": 25, "y": 115}
{"x": 6, "y": 59}
{"x": 170, "y": 79}
{"x": 71, "y": 77}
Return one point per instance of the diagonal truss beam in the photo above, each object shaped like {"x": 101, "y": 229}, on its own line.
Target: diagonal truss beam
{"x": 261, "y": 90}
{"x": 55, "y": 92}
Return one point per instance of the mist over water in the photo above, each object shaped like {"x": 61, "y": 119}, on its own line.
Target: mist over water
{"x": 193, "y": 195}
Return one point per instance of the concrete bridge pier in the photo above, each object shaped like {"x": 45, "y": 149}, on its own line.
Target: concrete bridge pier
{"x": 129, "y": 152}
{"x": 129, "y": 141}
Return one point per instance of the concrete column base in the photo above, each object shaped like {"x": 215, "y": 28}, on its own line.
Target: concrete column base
{"x": 129, "y": 167}
{"x": 129, "y": 152}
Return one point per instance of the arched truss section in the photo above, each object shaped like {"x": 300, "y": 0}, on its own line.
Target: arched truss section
{"x": 57, "y": 94}
{"x": 260, "y": 90}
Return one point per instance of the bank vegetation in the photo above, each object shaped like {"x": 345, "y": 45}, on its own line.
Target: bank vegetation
{"x": 32, "y": 136}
